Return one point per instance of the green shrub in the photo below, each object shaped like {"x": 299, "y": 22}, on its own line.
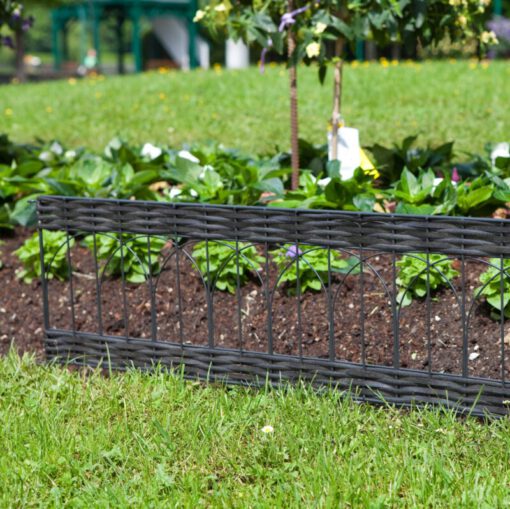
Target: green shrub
{"x": 135, "y": 255}
{"x": 491, "y": 287}
{"x": 412, "y": 276}
{"x": 222, "y": 263}
{"x": 313, "y": 266}
{"x": 55, "y": 253}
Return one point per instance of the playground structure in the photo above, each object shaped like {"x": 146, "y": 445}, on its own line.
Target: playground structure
{"x": 172, "y": 23}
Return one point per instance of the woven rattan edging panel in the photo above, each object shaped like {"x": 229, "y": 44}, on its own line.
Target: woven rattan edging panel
{"x": 369, "y": 383}
{"x": 337, "y": 229}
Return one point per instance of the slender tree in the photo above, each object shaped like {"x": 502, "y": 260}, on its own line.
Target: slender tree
{"x": 311, "y": 27}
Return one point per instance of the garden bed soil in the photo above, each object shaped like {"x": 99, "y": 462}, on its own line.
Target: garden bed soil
{"x": 430, "y": 334}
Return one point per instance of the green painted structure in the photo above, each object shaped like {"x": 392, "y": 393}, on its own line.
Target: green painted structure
{"x": 91, "y": 13}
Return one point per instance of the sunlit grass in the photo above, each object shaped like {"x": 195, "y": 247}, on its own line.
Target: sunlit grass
{"x": 136, "y": 440}
{"x": 462, "y": 101}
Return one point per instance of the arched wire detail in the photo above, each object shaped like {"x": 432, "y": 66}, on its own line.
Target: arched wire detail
{"x": 424, "y": 271}
{"x": 177, "y": 250}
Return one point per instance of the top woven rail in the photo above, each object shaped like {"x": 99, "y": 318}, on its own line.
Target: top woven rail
{"x": 389, "y": 233}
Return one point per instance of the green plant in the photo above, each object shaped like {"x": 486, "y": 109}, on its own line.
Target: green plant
{"x": 313, "y": 266}
{"x": 492, "y": 286}
{"x": 222, "y": 263}
{"x": 55, "y": 256}
{"x": 214, "y": 174}
{"x": 391, "y": 162}
{"x": 415, "y": 271}
{"x": 132, "y": 259}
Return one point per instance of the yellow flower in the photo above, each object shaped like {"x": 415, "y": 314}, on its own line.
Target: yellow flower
{"x": 220, "y": 8}
{"x": 49, "y": 109}
{"x": 199, "y": 15}
{"x": 489, "y": 38}
{"x": 217, "y": 68}
{"x": 267, "y": 429}
{"x": 162, "y": 96}
{"x": 313, "y": 50}
{"x": 462, "y": 20}
{"x": 320, "y": 27}
{"x": 8, "y": 112}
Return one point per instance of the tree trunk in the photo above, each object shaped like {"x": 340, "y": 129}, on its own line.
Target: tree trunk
{"x": 337, "y": 98}
{"x": 294, "y": 125}
{"x": 20, "y": 54}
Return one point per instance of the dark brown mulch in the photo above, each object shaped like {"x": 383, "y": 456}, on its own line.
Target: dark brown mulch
{"x": 305, "y": 332}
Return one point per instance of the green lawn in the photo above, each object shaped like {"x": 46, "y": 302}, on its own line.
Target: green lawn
{"x": 441, "y": 100}
{"x": 135, "y": 440}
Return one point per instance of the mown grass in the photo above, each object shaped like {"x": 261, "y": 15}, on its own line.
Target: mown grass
{"x": 443, "y": 101}
{"x": 136, "y": 440}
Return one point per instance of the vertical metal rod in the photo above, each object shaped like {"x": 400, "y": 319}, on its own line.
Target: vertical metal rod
{"x": 71, "y": 288}
{"x": 395, "y": 313}
{"x": 124, "y": 293}
{"x": 465, "y": 345}
{"x": 331, "y": 318}
{"x": 298, "y": 296}
{"x": 179, "y": 292}
{"x": 362, "y": 309}
{"x": 428, "y": 318}
{"x": 268, "y": 302}
{"x": 239, "y": 298}
{"x": 502, "y": 317}
{"x": 44, "y": 282}
{"x": 210, "y": 316}
{"x": 98, "y": 289}
{"x": 154, "y": 325}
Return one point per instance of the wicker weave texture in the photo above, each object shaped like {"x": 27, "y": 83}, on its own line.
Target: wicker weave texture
{"x": 336, "y": 229}
{"x": 361, "y": 232}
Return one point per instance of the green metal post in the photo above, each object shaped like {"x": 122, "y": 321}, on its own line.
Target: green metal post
{"x": 82, "y": 16}
{"x": 120, "y": 43}
{"x": 498, "y": 7}
{"x": 135, "y": 15}
{"x": 360, "y": 50}
{"x": 96, "y": 24}
{"x": 55, "y": 42}
{"x": 192, "y": 34}
{"x": 192, "y": 49}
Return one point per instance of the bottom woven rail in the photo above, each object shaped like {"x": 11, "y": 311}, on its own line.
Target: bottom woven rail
{"x": 370, "y": 383}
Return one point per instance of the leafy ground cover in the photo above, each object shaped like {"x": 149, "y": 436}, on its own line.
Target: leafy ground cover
{"x": 184, "y": 444}
{"x": 462, "y": 101}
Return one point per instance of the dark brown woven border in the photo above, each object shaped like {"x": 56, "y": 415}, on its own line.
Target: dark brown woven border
{"x": 368, "y": 383}
{"x": 338, "y": 229}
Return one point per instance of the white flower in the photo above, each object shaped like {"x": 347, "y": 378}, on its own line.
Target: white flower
{"x": 207, "y": 168}
{"x": 500, "y": 150}
{"x": 267, "y": 429}
{"x": 70, "y": 155}
{"x": 220, "y": 8}
{"x": 324, "y": 182}
{"x": 184, "y": 154}
{"x": 151, "y": 151}
{"x": 199, "y": 15}
{"x": 320, "y": 27}
{"x": 313, "y": 50}
{"x": 174, "y": 192}
{"x": 46, "y": 156}
{"x": 56, "y": 148}
{"x": 193, "y": 193}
